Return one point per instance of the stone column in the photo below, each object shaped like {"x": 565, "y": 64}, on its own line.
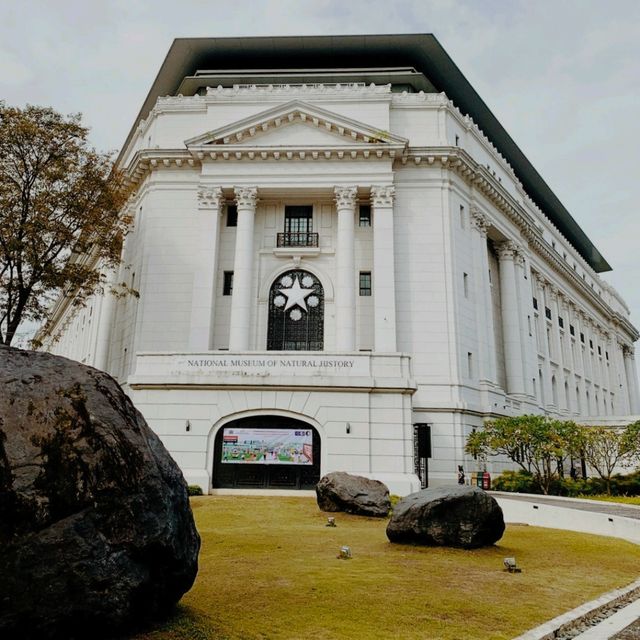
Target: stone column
{"x": 105, "y": 323}
{"x": 210, "y": 201}
{"x": 510, "y": 318}
{"x": 547, "y": 389}
{"x": 345, "y": 295}
{"x": 384, "y": 278}
{"x": 484, "y": 303}
{"x": 555, "y": 328}
{"x": 622, "y": 388}
{"x": 527, "y": 345}
{"x": 246, "y": 200}
{"x": 632, "y": 379}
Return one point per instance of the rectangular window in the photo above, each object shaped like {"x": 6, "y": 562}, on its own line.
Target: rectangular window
{"x": 547, "y": 313}
{"x": 227, "y": 284}
{"x": 364, "y": 215}
{"x": 591, "y": 345}
{"x": 606, "y": 354}
{"x": 465, "y": 283}
{"x": 599, "y": 350}
{"x": 572, "y": 330}
{"x": 582, "y": 338}
{"x": 232, "y": 215}
{"x": 365, "y": 283}
{"x": 535, "y": 303}
{"x": 561, "y": 322}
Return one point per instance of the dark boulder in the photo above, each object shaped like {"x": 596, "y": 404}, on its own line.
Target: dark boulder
{"x": 451, "y": 516}
{"x": 341, "y": 491}
{"x": 96, "y": 531}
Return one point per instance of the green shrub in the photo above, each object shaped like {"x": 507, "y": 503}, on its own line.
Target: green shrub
{"x": 194, "y": 490}
{"x": 516, "y": 482}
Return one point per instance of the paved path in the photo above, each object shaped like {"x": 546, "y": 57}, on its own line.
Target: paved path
{"x": 610, "y": 508}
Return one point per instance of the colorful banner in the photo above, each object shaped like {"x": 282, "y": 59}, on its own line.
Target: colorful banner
{"x": 267, "y": 446}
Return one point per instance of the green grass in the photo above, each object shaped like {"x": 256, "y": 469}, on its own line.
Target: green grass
{"x": 268, "y": 570}
{"x": 619, "y": 499}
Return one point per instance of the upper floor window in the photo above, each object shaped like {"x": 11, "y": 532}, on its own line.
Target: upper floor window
{"x": 364, "y": 215}
{"x": 227, "y": 283}
{"x": 365, "y": 283}
{"x": 298, "y": 227}
{"x": 232, "y": 215}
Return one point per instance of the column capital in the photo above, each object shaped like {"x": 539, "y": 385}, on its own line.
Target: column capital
{"x": 210, "y": 198}
{"x": 382, "y": 196}
{"x": 628, "y": 351}
{"x": 554, "y": 292}
{"x": 345, "y": 197}
{"x": 479, "y": 221}
{"x": 246, "y": 196}
{"x": 506, "y": 250}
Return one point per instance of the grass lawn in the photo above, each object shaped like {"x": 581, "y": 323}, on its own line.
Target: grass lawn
{"x": 268, "y": 570}
{"x": 620, "y": 499}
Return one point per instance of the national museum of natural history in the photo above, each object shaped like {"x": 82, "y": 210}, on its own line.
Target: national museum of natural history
{"x": 344, "y": 262}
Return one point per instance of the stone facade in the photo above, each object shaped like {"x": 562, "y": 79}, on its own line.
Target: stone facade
{"x": 447, "y": 295}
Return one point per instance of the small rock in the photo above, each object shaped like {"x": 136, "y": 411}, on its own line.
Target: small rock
{"x": 449, "y": 516}
{"x": 339, "y": 491}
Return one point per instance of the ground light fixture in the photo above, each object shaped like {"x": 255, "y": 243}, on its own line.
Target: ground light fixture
{"x": 511, "y": 566}
{"x": 345, "y": 553}
{"x": 331, "y": 521}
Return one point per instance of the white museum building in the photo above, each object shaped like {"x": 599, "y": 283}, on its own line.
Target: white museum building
{"x": 343, "y": 262}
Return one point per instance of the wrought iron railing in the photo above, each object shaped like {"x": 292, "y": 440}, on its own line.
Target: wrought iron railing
{"x": 297, "y": 239}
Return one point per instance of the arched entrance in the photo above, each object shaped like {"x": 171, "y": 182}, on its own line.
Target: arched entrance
{"x": 296, "y": 313}
{"x": 262, "y": 452}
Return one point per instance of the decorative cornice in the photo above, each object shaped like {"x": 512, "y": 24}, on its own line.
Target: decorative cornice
{"x": 210, "y": 198}
{"x": 261, "y": 91}
{"x": 346, "y": 197}
{"x": 382, "y": 196}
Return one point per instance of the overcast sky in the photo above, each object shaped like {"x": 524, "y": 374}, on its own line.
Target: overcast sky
{"x": 563, "y": 77}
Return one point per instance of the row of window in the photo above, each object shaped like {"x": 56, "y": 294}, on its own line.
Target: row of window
{"x": 365, "y": 283}
{"x": 299, "y": 219}
{"x": 572, "y": 329}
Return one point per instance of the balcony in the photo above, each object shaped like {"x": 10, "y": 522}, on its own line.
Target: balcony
{"x": 297, "y": 239}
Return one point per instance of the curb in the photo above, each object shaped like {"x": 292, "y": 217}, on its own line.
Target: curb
{"x": 570, "y": 624}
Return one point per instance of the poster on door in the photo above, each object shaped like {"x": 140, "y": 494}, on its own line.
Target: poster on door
{"x": 267, "y": 446}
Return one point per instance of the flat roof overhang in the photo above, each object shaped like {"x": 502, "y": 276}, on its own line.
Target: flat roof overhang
{"x": 423, "y": 52}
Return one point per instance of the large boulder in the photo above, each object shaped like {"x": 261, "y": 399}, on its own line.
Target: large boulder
{"x": 96, "y": 532}
{"x": 339, "y": 491}
{"x": 450, "y": 516}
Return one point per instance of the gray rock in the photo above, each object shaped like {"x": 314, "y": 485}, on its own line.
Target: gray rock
{"x": 450, "y": 516}
{"x": 96, "y": 530}
{"x": 339, "y": 491}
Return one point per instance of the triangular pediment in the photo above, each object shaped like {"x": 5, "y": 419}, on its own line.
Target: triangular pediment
{"x": 297, "y": 124}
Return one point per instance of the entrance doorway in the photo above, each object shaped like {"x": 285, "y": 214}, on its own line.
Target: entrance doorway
{"x": 266, "y": 452}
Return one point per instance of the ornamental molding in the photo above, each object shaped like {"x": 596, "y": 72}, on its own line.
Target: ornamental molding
{"x": 382, "y": 196}
{"x": 246, "y": 197}
{"x": 210, "y": 198}
{"x": 278, "y": 91}
{"x": 355, "y": 132}
{"x": 346, "y": 197}
{"x": 479, "y": 221}
{"x": 506, "y": 250}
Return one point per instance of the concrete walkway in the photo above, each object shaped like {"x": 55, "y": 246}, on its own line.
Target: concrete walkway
{"x": 604, "y": 518}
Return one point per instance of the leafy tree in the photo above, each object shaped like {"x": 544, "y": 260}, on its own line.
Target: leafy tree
{"x": 60, "y": 225}
{"x": 538, "y": 444}
{"x": 606, "y": 448}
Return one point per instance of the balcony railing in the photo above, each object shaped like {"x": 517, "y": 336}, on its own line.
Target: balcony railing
{"x": 298, "y": 239}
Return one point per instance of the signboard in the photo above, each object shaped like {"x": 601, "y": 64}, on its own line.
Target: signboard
{"x": 267, "y": 446}
{"x": 277, "y": 365}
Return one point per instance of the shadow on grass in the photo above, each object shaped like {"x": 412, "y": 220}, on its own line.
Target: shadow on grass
{"x": 182, "y": 623}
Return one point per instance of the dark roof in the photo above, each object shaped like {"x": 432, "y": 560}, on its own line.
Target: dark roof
{"x": 420, "y": 51}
